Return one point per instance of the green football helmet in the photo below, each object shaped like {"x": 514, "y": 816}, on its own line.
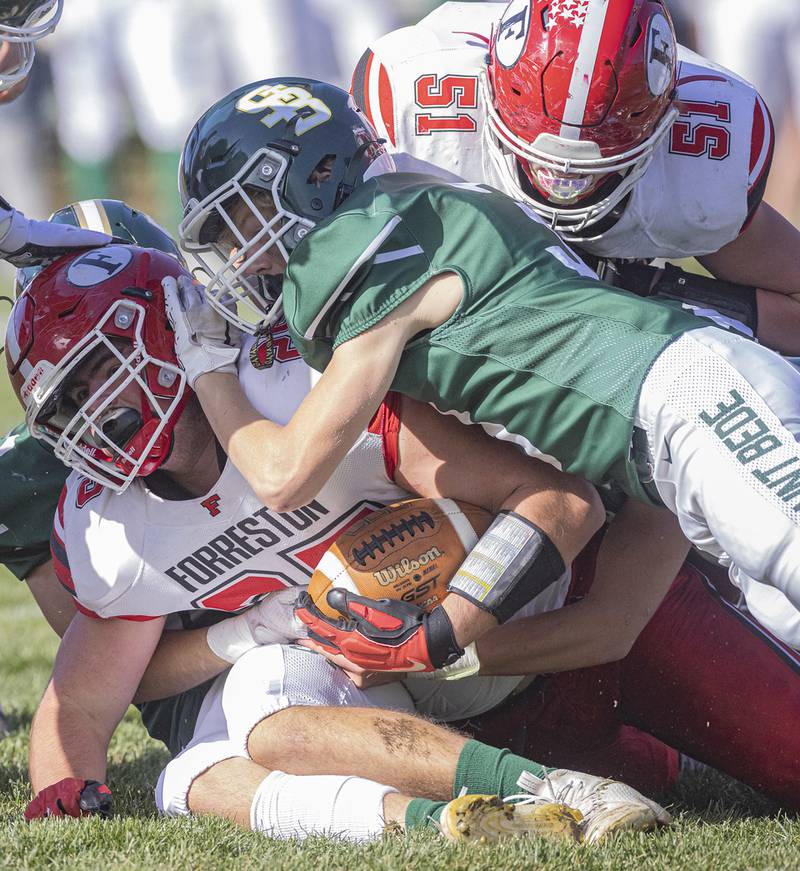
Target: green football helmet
{"x": 25, "y": 22}
{"x": 279, "y": 155}
{"x": 114, "y": 217}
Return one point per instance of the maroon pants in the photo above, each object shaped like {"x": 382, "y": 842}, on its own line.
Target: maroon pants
{"x": 702, "y": 677}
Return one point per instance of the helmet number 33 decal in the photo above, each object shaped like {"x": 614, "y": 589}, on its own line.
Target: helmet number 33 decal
{"x": 284, "y": 103}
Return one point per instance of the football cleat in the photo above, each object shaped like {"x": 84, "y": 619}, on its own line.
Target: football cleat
{"x": 606, "y": 806}
{"x": 483, "y": 819}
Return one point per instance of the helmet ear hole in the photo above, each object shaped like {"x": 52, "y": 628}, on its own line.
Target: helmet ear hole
{"x": 322, "y": 171}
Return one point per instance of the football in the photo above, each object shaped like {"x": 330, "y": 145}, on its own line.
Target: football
{"x": 409, "y": 550}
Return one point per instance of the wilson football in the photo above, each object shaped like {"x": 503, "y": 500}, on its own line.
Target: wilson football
{"x": 409, "y": 550}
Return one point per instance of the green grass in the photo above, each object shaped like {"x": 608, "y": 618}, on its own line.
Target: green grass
{"x": 719, "y": 825}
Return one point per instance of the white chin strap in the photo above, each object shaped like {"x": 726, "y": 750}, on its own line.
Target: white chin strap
{"x": 505, "y": 149}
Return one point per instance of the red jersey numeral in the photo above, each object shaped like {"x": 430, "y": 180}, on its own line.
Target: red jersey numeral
{"x": 702, "y": 139}
{"x": 285, "y": 351}
{"x": 440, "y": 92}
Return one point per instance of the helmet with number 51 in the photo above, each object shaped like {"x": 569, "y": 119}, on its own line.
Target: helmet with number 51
{"x": 259, "y": 169}
{"x": 579, "y": 93}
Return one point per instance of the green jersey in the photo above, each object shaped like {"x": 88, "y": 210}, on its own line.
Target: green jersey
{"x": 31, "y": 479}
{"x": 538, "y": 352}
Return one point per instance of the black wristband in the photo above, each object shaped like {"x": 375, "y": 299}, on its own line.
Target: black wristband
{"x": 441, "y": 639}
{"x": 734, "y": 301}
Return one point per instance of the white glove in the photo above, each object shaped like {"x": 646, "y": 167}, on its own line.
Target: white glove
{"x": 204, "y": 340}
{"x": 24, "y": 242}
{"x": 271, "y": 621}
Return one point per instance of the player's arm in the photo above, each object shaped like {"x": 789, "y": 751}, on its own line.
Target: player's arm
{"x": 640, "y": 555}
{"x": 287, "y": 465}
{"x": 97, "y": 669}
{"x": 25, "y": 242}
{"x": 186, "y": 658}
{"x": 767, "y": 256}
{"x": 441, "y": 458}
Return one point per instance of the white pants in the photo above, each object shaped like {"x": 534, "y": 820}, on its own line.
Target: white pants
{"x": 722, "y": 417}
{"x": 264, "y": 681}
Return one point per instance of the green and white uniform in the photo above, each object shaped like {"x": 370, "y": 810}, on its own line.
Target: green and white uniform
{"x": 541, "y": 353}
{"x": 537, "y": 350}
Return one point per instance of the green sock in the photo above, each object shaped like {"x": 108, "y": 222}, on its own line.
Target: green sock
{"x": 423, "y": 813}
{"x": 489, "y": 770}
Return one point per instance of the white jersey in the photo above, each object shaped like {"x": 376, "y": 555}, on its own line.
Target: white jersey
{"x": 139, "y": 556}
{"x": 419, "y": 86}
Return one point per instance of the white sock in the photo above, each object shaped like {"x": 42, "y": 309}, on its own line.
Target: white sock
{"x": 292, "y": 806}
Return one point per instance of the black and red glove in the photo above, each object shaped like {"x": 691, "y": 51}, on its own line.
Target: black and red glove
{"x": 71, "y": 797}
{"x": 381, "y": 634}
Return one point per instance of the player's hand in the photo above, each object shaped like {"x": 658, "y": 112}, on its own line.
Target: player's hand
{"x": 204, "y": 340}
{"x": 382, "y": 634}
{"x": 71, "y": 797}
{"x": 271, "y": 621}
{"x": 24, "y": 242}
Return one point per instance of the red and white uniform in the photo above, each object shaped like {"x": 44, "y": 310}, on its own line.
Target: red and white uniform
{"x": 139, "y": 556}
{"x": 419, "y": 85}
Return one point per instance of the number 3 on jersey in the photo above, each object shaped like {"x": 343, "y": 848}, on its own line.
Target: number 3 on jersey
{"x": 440, "y": 92}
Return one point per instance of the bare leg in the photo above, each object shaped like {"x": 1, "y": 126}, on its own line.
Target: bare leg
{"x": 408, "y": 753}
{"x": 227, "y": 790}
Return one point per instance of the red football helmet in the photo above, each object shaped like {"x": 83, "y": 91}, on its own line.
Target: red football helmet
{"x": 579, "y": 93}
{"x": 98, "y": 317}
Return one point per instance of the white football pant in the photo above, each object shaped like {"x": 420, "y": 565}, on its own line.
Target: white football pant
{"x": 722, "y": 417}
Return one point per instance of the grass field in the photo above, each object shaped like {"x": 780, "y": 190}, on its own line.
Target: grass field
{"x": 719, "y": 825}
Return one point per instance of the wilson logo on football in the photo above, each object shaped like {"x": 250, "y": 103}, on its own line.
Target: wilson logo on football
{"x": 407, "y": 566}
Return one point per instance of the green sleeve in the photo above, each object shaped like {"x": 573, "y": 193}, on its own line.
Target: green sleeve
{"x": 31, "y": 480}
{"x": 372, "y": 262}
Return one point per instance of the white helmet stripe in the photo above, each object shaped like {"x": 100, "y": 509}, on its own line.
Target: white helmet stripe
{"x": 92, "y": 216}
{"x": 583, "y": 70}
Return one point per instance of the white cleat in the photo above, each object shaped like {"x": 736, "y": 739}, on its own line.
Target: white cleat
{"x": 607, "y": 806}
{"x": 486, "y": 818}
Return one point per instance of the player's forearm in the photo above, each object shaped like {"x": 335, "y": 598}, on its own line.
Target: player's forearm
{"x": 561, "y": 640}
{"x": 259, "y": 448}
{"x": 287, "y": 466}
{"x": 641, "y": 553}
{"x": 779, "y": 321}
{"x": 767, "y": 256}
{"x": 66, "y": 741}
{"x": 181, "y": 661}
